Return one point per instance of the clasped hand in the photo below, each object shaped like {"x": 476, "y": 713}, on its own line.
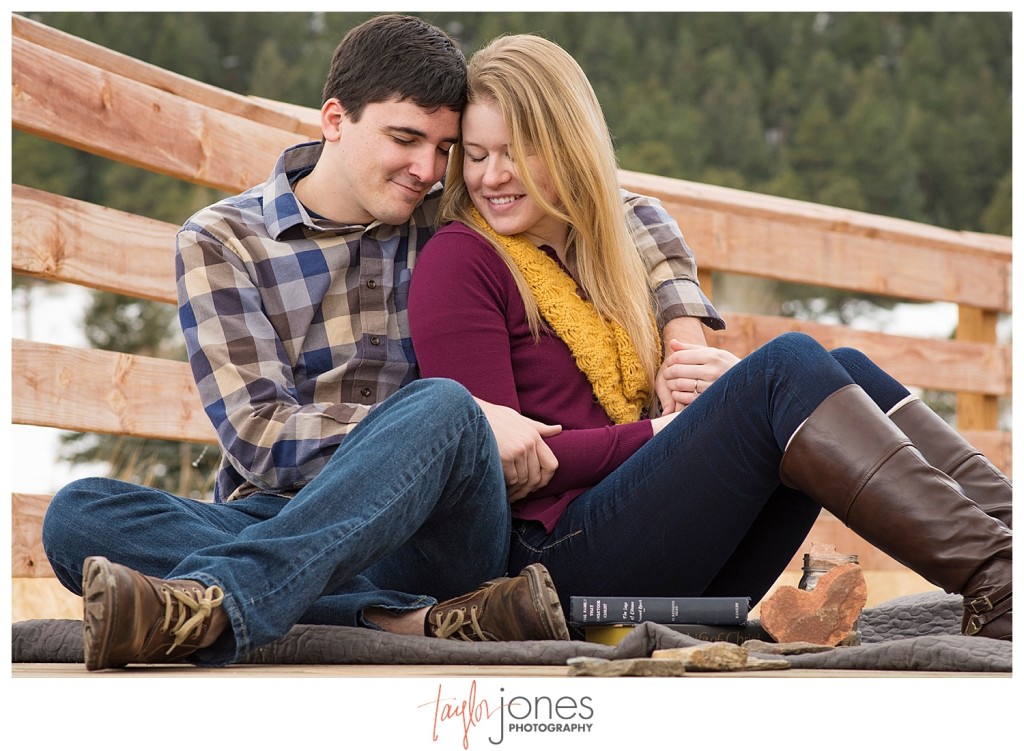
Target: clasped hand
{"x": 527, "y": 462}
{"x": 687, "y": 372}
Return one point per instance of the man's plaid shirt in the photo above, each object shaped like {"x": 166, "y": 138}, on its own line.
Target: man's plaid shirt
{"x": 296, "y": 326}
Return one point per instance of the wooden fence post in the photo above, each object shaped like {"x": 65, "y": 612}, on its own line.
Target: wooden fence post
{"x": 976, "y": 411}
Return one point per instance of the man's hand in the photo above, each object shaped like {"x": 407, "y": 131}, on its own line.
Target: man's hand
{"x": 682, "y": 329}
{"x": 527, "y": 461}
{"x": 688, "y": 370}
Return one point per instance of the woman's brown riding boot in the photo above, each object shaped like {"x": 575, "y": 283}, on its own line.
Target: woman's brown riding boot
{"x": 853, "y": 460}
{"x": 946, "y": 450}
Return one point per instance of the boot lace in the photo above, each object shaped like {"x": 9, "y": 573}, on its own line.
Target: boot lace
{"x": 451, "y": 624}
{"x": 191, "y": 612}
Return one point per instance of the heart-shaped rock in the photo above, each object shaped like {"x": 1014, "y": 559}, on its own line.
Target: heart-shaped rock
{"x": 826, "y": 615}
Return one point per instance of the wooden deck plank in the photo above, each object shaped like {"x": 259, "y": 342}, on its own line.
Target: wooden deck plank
{"x": 76, "y": 670}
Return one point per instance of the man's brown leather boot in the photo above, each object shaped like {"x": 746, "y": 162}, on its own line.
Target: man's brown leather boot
{"x": 520, "y": 608}
{"x": 131, "y": 618}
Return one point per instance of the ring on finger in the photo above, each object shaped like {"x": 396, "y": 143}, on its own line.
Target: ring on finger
{"x": 696, "y": 386}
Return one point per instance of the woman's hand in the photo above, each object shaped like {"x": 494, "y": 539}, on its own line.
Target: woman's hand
{"x": 658, "y": 423}
{"x": 687, "y": 371}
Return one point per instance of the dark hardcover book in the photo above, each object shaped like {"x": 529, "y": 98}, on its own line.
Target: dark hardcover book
{"x": 710, "y": 611}
{"x": 612, "y": 635}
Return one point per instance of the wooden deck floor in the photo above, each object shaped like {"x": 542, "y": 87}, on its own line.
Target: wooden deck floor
{"x": 64, "y": 670}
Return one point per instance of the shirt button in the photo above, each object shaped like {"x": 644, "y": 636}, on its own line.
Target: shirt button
{"x": 371, "y": 284}
{"x": 365, "y": 391}
{"x": 374, "y": 340}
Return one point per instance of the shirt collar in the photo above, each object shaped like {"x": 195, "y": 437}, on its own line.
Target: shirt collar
{"x": 281, "y": 209}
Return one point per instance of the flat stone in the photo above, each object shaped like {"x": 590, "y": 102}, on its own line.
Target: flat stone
{"x": 826, "y": 615}
{"x": 710, "y": 657}
{"x": 718, "y": 657}
{"x": 642, "y": 667}
{"x": 757, "y": 663}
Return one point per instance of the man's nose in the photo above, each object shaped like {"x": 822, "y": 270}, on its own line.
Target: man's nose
{"x": 428, "y": 165}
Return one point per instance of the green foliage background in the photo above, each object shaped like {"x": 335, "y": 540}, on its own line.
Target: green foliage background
{"x": 901, "y": 114}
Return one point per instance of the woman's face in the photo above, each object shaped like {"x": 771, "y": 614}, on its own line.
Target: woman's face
{"x": 493, "y": 179}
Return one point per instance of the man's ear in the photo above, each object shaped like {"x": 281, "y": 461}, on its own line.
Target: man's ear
{"x": 332, "y": 115}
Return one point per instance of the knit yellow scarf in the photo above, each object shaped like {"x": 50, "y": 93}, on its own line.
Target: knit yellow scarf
{"x": 602, "y": 349}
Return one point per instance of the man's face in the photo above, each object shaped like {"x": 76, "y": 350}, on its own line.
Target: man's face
{"x": 387, "y": 160}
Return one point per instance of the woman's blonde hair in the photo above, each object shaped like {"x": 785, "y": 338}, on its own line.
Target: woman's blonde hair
{"x": 551, "y": 111}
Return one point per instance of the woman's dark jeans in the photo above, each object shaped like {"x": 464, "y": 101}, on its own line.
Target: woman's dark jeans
{"x": 699, "y": 510}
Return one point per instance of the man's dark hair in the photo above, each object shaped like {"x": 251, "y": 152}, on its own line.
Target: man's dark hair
{"x": 396, "y": 56}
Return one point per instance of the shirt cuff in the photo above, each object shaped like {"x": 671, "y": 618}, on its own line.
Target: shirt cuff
{"x": 682, "y": 297}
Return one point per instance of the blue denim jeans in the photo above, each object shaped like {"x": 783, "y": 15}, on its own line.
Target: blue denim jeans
{"x": 410, "y": 510}
{"x": 699, "y": 509}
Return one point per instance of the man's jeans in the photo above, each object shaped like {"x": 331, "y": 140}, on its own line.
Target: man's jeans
{"x": 410, "y": 510}
{"x": 699, "y": 509}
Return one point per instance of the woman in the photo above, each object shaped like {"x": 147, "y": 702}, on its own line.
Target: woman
{"x": 533, "y": 297}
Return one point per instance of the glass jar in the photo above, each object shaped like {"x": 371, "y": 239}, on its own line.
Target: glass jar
{"x": 818, "y": 562}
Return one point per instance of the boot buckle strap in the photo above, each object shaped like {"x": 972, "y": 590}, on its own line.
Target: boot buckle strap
{"x": 973, "y": 626}
{"x": 984, "y": 611}
{"x": 976, "y": 622}
{"x": 992, "y": 600}
{"x": 980, "y": 605}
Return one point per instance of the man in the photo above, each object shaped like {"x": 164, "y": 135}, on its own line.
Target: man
{"x": 350, "y": 492}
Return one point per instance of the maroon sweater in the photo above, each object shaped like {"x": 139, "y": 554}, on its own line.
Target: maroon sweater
{"x": 468, "y": 323}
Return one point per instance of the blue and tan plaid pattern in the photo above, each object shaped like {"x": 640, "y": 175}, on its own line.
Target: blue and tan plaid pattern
{"x": 297, "y": 326}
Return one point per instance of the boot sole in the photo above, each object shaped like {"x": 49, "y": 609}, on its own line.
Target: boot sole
{"x": 98, "y": 600}
{"x": 546, "y": 602}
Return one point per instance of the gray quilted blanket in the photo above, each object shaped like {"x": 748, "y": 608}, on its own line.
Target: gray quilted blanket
{"x": 916, "y": 632}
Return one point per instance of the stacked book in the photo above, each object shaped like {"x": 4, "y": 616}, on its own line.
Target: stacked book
{"x": 607, "y": 620}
